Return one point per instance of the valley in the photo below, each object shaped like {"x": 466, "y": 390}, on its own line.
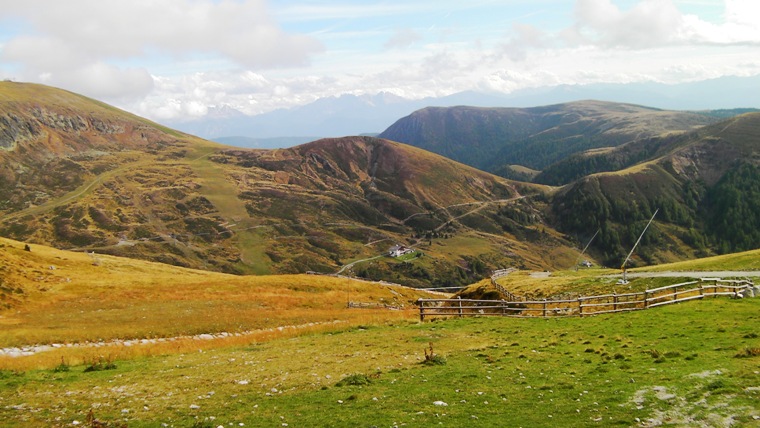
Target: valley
{"x": 149, "y": 277}
{"x": 172, "y": 198}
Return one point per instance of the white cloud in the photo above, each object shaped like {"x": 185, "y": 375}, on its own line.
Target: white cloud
{"x": 178, "y": 97}
{"x": 657, "y": 23}
{"x": 240, "y": 30}
{"x": 526, "y": 37}
{"x": 183, "y": 58}
{"x": 88, "y": 45}
{"x": 403, "y": 38}
{"x": 54, "y": 62}
{"x": 511, "y": 80}
{"x": 649, "y": 23}
{"x": 108, "y": 81}
{"x": 741, "y": 25}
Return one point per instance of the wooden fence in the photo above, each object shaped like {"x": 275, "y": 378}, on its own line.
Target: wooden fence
{"x": 582, "y": 306}
{"x": 503, "y": 291}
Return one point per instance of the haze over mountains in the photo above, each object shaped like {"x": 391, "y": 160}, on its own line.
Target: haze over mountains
{"x": 78, "y": 174}
{"x": 354, "y": 115}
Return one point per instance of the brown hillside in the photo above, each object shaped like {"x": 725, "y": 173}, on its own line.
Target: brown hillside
{"x": 81, "y": 175}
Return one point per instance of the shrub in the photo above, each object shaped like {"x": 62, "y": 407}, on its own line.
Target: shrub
{"x": 354, "y": 380}
{"x": 100, "y": 365}
{"x": 433, "y": 359}
{"x": 748, "y": 352}
{"x": 63, "y": 367}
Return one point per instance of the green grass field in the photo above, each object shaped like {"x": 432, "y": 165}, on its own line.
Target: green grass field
{"x": 685, "y": 365}
{"x": 747, "y": 260}
{"x": 691, "y": 364}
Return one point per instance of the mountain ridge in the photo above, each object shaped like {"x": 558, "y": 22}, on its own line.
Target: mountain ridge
{"x": 116, "y": 184}
{"x": 300, "y": 121}
{"x": 177, "y": 199}
{"x": 701, "y": 181}
{"x": 488, "y": 138}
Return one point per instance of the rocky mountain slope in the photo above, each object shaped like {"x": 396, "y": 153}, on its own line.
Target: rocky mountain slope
{"x": 78, "y": 174}
{"x": 81, "y": 175}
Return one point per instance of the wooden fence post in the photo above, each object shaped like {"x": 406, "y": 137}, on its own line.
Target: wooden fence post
{"x": 614, "y": 302}
{"x": 544, "y": 308}
{"x": 580, "y": 307}
{"x": 646, "y": 299}
{"x": 461, "y": 314}
{"x": 422, "y": 309}
{"x": 701, "y": 291}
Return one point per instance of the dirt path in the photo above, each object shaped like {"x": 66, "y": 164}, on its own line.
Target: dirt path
{"x": 691, "y": 274}
{"x": 480, "y": 205}
{"x": 23, "y": 351}
{"x": 359, "y": 261}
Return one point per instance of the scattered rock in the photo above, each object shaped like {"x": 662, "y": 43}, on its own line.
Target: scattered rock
{"x": 707, "y": 373}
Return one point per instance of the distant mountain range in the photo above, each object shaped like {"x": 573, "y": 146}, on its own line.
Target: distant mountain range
{"x": 354, "y": 115}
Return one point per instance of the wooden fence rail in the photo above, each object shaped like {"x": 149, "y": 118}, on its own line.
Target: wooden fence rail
{"x": 503, "y": 291}
{"x": 583, "y": 306}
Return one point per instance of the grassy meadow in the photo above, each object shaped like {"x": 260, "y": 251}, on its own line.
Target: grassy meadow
{"x": 744, "y": 261}
{"x": 694, "y": 364}
{"x": 59, "y": 297}
{"x": 296, "y": 356}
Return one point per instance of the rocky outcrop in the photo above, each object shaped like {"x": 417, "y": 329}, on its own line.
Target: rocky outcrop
{"x": 14, "y": 129}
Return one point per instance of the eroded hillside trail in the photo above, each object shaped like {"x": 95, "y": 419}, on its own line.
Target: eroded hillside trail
{"x": 87, "y": 187}
{"x": 350, "y": 265}
{"x": 74, "y": 194}
{"x": 480, "y": 204}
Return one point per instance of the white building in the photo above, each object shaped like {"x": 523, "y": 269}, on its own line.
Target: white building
{"x": 399, "y": 250}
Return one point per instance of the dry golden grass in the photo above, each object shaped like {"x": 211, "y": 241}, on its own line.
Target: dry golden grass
{"x": 546, "y": 284}
{"x": 77, "y": 298}
{"x": 744, "y": 261}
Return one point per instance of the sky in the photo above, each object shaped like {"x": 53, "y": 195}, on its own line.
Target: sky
{"x": 182, "y": 59}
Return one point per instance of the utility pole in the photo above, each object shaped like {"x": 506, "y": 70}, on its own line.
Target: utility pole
{"x": 625, "y": 280}
{"x": 586, "y": 248}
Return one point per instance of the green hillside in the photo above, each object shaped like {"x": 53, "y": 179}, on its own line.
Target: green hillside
{"x": 492, "y": 138}
{"x": 705, "y": 187}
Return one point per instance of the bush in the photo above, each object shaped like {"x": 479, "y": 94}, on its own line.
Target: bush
{"x": 354, "y": 380}
{"x": 433, "y": 359}
{"x": 61, "y": 368}
{"x": 100, "y": 365}
{"x": 748, "y": 352}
